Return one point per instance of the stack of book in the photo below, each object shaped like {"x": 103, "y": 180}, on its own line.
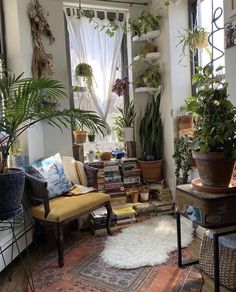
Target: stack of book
{"x": 154, "y": 207}
{"x": 114, "y": 185}
{"x": 131, "y": 172}
{"x": 99, "y": 218}
{"x": 125, "y": 214}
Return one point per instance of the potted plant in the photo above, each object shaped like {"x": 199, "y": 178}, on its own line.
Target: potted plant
{"x": 183, "y": 158}
{"x": 91, "y": 155}
{"x": 151, "y": 77}
{"x": 144, "y": 192}
{"x": 121, "y": 86}
{"x": 146, "y": 22}
{"x": 214, "y": 140}
{"x": 84, "y": 73}
{"x": 15, "y": 157}
{"x": 150, "y": 133}
{"x": 91, "y": 136}
{"x": 193, "y": 39}
{"x": 126, "y": 121}
{"x": 20, "y": 109}
{"x": 184, "y": 119}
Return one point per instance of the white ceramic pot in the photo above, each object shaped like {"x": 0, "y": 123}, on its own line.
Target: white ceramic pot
{"x": 128, "y": 134}
{"x": 91, "y": 156}
{"x": 144, "y": 196}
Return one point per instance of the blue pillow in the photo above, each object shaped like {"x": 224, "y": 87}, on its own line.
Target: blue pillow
{"x": 52, "y": 171}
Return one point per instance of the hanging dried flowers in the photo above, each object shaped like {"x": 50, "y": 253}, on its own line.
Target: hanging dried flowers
{"x": 42, "y": 63}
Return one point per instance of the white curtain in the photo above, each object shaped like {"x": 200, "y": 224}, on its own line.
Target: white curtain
{"x": 101, "y": 52}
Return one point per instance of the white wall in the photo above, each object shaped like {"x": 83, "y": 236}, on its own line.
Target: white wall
{"x": 19, "y": 52}
{"x": 230, "y": 57}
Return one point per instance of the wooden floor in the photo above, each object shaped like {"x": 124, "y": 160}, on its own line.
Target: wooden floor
{"x": 18, "y": 282}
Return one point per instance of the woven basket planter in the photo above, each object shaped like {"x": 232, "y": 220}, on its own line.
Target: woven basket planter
{"x": 11, "y": 192}
{"x": 227, "y": 264}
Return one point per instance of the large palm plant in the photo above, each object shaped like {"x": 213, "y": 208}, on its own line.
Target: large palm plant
{"x": 26, "y": 101}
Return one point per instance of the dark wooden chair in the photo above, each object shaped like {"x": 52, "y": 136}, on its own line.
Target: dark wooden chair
{"x": 63, "y": 209}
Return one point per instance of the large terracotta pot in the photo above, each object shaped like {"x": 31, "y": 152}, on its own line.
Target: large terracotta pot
{"x": 80, "y": 136}
{"x": 151, "y": 170}
{"x": 214, "y": 169}
{"x": 185, "y": 122}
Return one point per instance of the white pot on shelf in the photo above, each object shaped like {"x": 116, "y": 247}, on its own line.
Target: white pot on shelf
{"x": 128, "y": 134}
{"x": 91, "y": 156}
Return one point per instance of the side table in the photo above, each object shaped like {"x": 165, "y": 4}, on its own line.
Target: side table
{"x": 213, "y": 211}
{"x": 10, "y": 223}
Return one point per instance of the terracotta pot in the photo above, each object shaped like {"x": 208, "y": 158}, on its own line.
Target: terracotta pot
{"x": 151, "y": 170}
{"x": 134, "y": 197}
{"x": 185, "y": 122}
{"x": 151, "y": 47}
{"x": 80, "y": 136}
{"x": 105, "y": 156}
{"x": 214, "y": 169}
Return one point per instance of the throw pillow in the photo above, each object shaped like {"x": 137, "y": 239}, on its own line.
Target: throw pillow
{"x": 53, "y": 173}
{"x": 81, "y": 173}
{"x": 70, "y": 169}
{"x": 91, "y": 173}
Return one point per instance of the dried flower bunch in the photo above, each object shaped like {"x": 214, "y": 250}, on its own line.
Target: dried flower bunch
{"x": 121, "y": 86}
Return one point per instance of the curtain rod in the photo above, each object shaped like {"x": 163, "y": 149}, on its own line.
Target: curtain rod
{"x": 123, "y": 2}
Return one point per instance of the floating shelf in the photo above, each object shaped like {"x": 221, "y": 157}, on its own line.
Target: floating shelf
{"x": 147, "y": 90}
{"x": 149, "y": 57}
{"x": 79, "y": 89}
{"x": 147, "y": 36}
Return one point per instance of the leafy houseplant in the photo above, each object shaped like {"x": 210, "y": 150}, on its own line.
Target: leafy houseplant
{"x": 84, "y": 70}
{"x": 20, "y": 109}
{"x": 125, "y": 120}
{"x": 121, "y": 86}
{"x": 183, "y": 157}
{"x": 151, "y": 78}
{"x": 150, "y": 133}
{"x": 193, "y": 39}
{"x": 214, "y": 136}
{"x": 146, "y": 22}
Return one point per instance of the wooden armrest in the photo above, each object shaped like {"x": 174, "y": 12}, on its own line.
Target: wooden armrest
{"x": 39, "y": 191}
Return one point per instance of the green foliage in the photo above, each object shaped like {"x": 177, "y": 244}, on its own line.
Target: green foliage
{"x": 20, "y": 100}
{"x": 183, "y": 157}
{"x": 151, "y": 77}
{"x": 150, "y": 131}
{"x": 126, "y": 119}
{"x": 86, "y": 71}
{"x": 189, "y": 38}
{"x": 145, "y": 23}
{"x": 215, "y": 114}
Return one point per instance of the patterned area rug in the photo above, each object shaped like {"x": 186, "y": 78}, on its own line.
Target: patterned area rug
{"x": 85, "y": 271}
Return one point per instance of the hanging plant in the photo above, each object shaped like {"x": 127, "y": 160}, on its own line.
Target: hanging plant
{"x": 86, "y": 71}
{"x": 42, "y": 63}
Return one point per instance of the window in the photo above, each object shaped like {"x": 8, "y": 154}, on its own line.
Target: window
{"x": 92, "y": 47}
{"x": 201, "y": 14}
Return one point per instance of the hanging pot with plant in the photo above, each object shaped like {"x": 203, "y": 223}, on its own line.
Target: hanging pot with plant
{"x": 84, "y": 74}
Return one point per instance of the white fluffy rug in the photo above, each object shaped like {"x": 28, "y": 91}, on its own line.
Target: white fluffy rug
{"x": 146, "y": 244}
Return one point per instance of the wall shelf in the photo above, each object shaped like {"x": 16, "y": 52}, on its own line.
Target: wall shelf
{"x": 147, "y": 90}
{"x": 149, "y": 57}
{"x": 147, "y": 36}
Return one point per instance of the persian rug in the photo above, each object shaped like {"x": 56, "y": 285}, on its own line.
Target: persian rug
{"x": 146, "y": 244}
{"x": 84, "y": 270}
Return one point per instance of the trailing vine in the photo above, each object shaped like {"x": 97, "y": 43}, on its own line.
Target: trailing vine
{"x": 42, "y": 62}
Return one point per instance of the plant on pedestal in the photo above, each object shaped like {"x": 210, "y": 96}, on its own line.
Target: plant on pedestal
{"x": 214, "y": 138}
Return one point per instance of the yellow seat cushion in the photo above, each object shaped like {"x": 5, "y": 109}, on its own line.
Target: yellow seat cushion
{"x": 65, "y": 207}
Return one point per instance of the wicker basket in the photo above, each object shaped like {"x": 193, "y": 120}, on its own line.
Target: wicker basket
{"x": 227, "y": 264}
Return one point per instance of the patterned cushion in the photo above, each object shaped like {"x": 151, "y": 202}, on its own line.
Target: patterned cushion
{"x": 70, "y": 169}
{"x": 81, "y": 173}
{"x": 52, "y": 171}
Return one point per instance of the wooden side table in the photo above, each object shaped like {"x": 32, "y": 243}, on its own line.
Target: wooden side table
{"x": 213, "y": 211}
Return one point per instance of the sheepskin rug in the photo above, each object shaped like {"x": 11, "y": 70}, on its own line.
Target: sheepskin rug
{"x": 146, "y": 244}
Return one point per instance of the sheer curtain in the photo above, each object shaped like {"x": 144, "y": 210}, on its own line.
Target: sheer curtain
{"x": 101, "y": 52}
